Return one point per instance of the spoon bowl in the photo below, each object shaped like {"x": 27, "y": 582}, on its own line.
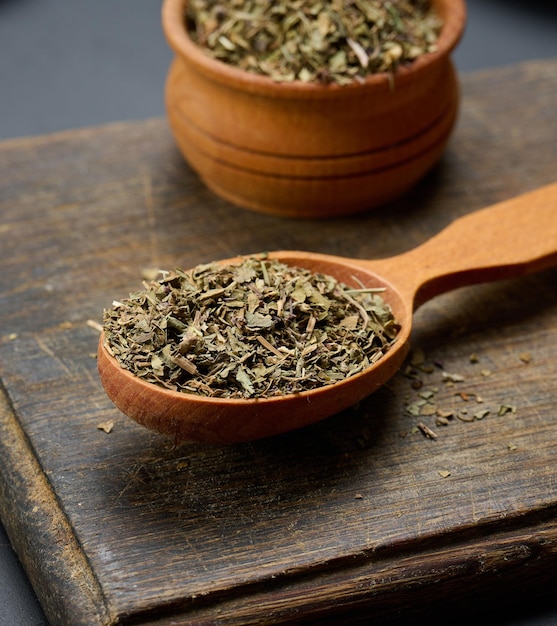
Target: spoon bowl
{"x": 512, "y": 238}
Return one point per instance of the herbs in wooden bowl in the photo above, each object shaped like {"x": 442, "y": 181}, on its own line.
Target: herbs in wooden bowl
{"x": 311, "y": 109}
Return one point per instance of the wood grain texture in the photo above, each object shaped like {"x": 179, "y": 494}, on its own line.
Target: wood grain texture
{"x": 341, "y": 520}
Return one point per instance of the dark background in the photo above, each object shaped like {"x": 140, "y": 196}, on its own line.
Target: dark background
{"x": 72, "y": 63}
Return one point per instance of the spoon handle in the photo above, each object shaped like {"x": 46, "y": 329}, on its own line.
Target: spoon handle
{"x": 508, "y": 239}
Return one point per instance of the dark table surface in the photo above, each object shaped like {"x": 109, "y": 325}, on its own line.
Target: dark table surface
{"x": 67, "y": 64}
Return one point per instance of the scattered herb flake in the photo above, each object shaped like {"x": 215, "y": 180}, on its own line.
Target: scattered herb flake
{"x": 506, "y": 408}
{"x": 106, "y": 426}
{"x": 426, "y": 431}
{"x": 464, "y": 417}
{"x": 428, "y": 409}
{"x": 452, "y": 378}
{"x": 94, "y": 325}
{"x": 441, "y": 420}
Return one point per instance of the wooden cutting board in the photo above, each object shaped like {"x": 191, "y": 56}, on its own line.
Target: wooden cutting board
{"x": 361, "y": 515}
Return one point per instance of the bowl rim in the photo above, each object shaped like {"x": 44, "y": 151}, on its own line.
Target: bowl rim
{"x": 453, "y": 13}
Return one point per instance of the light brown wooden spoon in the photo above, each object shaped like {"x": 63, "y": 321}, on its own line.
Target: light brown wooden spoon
{"x": 509, "y": 239}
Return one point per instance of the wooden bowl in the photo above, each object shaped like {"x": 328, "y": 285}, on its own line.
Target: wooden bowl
{"x": 305, "y": 149}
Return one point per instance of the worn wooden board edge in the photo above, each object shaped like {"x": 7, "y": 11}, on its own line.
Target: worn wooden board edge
{"x": 472, "y": 576}
{"x": 40, "y": 533}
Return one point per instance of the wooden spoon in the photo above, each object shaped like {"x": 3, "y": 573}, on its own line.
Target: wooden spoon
{"x": 509, "y": 239}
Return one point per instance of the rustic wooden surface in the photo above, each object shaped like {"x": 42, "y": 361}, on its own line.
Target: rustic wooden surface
{"x": 349, "y": 517}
